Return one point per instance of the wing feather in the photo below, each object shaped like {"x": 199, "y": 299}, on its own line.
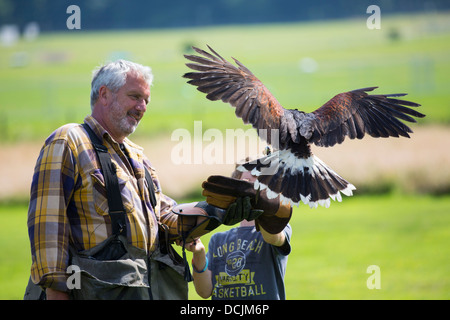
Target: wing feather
{"x": 221, "y": 80}
{"x": 350, "y": 114}
{"x": 353, "y": 114}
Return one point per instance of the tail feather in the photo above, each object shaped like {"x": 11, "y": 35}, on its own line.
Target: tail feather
{"x": 297, "y": 180}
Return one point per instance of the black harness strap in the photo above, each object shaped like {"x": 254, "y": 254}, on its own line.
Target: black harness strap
{"x": 116, "y": 209}
{"x": 151, "y": 188}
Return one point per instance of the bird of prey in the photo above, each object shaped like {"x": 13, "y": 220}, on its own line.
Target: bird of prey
{"x": 299, "y": 175}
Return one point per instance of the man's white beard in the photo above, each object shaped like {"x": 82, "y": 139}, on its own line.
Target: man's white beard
{"x": 122, "y": 120}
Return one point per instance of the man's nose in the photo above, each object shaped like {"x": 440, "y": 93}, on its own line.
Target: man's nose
{"x": 141, "y": 105}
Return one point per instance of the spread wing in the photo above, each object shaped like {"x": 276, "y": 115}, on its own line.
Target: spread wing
{"x": 238, "y": 86}
{"x": 353, "y": 114}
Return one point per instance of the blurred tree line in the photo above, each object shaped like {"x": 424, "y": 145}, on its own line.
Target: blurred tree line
{"x": 51, "y": 15}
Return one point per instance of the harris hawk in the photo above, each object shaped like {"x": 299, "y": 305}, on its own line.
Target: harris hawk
{"x": 293, "y": 172}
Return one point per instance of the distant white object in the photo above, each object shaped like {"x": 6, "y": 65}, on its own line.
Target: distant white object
{"x": 308, "y": 65}
{"x": 31, "y": 31}
{"x": 9, "y": 35}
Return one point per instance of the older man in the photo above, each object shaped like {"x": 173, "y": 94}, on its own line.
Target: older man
{"x": 69, "y": 218}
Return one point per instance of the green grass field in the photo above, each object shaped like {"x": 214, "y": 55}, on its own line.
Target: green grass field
{"x": 406, "y": 236}
{"x": 46, "y": 83}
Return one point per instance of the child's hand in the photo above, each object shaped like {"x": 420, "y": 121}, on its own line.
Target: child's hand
{"x": 194, "y": 246}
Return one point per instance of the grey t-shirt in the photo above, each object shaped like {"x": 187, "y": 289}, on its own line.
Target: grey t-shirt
{"x": 245, "y": 267}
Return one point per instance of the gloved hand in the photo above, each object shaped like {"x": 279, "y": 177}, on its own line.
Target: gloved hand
{"x": 239, "y": 210}
{"x": 197, "y": 219}
{"x": 277, "y": 217}
{"x": 221, "y": 191}
{"x": 217, "y": 199}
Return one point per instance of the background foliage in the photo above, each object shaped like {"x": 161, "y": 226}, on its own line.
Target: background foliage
{"x": 46, "y": 82}
{"x": 137, "y": 14}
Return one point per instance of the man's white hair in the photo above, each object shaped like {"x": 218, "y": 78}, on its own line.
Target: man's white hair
{"x": 114, "y": 74}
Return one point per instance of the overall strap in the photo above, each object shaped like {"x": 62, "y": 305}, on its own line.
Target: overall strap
{"x": 151, "y": 188}
{"x": 115, "y": 204}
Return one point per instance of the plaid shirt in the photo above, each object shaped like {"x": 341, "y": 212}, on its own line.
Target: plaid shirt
{"x": 68, "y": 201}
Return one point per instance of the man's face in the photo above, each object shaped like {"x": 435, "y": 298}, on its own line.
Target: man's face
{"x": 126, "y": 107}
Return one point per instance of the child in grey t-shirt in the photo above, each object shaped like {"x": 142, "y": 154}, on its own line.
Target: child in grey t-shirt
{"x": 244, "y": 266}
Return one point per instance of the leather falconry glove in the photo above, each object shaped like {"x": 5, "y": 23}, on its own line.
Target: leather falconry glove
{"x": 220, "y": 190}
{"x": 240, "y": 210}
{"x": 235, "y": 196}
{"x": 197, "y": 219}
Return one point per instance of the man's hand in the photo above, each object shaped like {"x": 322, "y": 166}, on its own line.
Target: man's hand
{"x": 223, "y": 191}
{"x": 197, "y": 219}
{"x": 240, "y": 210}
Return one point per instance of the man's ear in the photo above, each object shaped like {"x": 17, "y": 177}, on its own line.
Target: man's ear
{"x": 104, "y": 95}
